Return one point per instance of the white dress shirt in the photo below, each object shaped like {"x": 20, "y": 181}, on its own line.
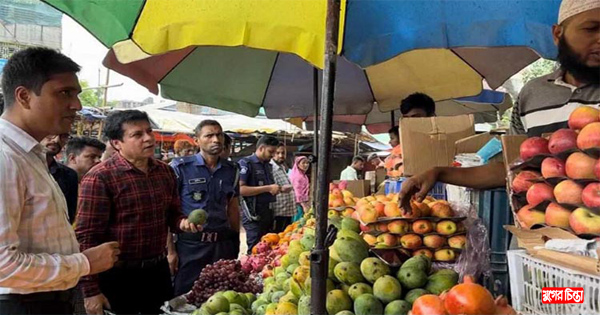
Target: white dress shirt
{"x": 38, "y": 248}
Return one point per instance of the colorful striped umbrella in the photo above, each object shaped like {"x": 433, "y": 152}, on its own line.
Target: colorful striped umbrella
{"x": 241, "y": 55}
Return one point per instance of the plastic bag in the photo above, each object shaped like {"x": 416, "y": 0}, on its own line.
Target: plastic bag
{"x": 475, "y": 258}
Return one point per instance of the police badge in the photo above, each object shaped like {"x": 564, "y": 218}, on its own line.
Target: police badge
{"x": 197, "y": 196}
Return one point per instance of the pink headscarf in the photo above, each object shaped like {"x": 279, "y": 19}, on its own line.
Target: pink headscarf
{"x": 300, "y": 181}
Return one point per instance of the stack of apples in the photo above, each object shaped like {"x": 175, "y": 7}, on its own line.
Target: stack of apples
{"x": 567, "y": 184}
{"x": 436, "y": 240}
{"x": 371, "y": 209}
{"x": 340, "y": 197}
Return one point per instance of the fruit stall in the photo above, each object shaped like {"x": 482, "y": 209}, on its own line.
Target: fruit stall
{"x": 555, "y": 194}
{"x": 382, "y": 262}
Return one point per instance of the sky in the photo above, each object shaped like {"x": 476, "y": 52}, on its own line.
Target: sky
{"x": 88, "y": 52}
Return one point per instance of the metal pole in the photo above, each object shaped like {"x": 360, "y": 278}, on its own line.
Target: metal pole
{"x": 320, "y": 254}
{"x": 106, "y": 87}
{"x": 393, "y": 119}
{"x": 313, "y": 176}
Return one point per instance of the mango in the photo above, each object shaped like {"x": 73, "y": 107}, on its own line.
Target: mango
{"x": 387, "y": 289}
{"x": 373, "y": 268}
{"x": 359, "y": 289}
{"x": 351, "y": 250}
{"x": 412, "y": 278}
{"x": 367, "y": 304}
{"x": 397, "y": 307}
{"x": 348, "y": 273}
{"x": 337, "y": 301}
{"x": 412, "y": 295}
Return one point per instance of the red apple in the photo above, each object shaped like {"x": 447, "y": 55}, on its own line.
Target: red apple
{"x": 589, "y": 136}
{"x": 591, "y": 195}
{"x": 539, "y": 192}
{"x": 568, "y": 192}
{"x": 533, "y": 146}
{"x": 562, "y": 140}
{"x": 557, "y": 216}
{"x": 522, "y": 181}
{"x": 553, "y": 167}
{"x": 597, "y": 169}
{"x": 583, "y": 116}
{"x": 580, "y": 166}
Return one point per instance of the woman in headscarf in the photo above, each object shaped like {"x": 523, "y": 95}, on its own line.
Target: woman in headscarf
{"x": 301, "y": 184}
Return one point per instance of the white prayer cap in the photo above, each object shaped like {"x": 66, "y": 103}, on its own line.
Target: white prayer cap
{"x": 569, "y": 8}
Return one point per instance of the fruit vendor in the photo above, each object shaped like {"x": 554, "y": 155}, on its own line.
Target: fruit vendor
{"x": 545, "y": 103}
{"x": 131, "y": 198}
{"x": 40, "y": 260}
{"x": 258, "y": 189}
{"x": 206, "y": 181}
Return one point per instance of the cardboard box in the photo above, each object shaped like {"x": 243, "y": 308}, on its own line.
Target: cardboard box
{"x": 534, "y": 240}
{"x": 359, "y": 188}
{"x": 473, "y": 143}
{"x": 510, "y": 148}
{"x": 430, "y": 142}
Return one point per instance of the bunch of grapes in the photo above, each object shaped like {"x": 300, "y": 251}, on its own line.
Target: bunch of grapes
{"x": 222, "y": 276}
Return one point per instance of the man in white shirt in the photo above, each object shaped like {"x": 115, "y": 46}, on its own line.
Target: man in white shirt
{"x": 40, "y": 260}
{"x": 352, "y": 172}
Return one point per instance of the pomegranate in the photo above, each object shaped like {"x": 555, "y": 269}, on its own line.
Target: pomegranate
{"x": 502, "y": 307}
{"x": 469, "y": 298}
{"x": 429, "y": 304}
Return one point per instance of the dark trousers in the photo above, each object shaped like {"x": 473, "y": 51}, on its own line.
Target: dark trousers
{"x": 281, "y": 223}
{"x": 137, "y": 290}
{"x": 35, "y": 308}
{"x": 194, "y": 255}
{"x": 255, "y": 230}
{"x": 27, "y": 304}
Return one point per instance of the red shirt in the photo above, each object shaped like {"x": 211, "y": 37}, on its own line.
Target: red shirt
{"x": 118, "y": 202}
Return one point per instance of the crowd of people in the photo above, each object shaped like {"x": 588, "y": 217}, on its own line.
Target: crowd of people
{"x": 112, "y": 218}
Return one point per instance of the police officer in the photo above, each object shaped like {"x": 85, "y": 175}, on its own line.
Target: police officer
{"x": 258, "y": 190}
{"x": 207, "y": 182}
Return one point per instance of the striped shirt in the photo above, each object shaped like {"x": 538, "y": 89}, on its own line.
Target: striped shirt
{"x": 285, "y": 203}
{"x": 545, "y": 103}
{"x": 38, "y": 248}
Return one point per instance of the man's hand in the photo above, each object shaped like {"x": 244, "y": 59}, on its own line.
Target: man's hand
{"x": 96, "y": 304}
{"x": 188, "y": 227}
{"x": 173, "y": 259}
{"x": 102, "y": 257}
{"x": 417, "y": 186}
{"x": 274, "y": 189}
{"x": 286, "y": 188}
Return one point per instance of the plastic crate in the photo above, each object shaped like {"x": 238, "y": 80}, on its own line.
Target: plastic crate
{"x": 393, "y": 186}
{"x": 529, "y": 275}
{"x": 495, "y": 212}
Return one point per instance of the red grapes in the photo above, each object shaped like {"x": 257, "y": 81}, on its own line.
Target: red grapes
{"x": 222, "y": 276}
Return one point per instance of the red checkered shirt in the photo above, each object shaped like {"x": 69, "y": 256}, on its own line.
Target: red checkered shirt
{"x": 118, "y": 202}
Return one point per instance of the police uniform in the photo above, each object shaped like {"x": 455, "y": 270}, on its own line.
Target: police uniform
{"x": 256, "y": 173}
{"x": 201, "y": 188}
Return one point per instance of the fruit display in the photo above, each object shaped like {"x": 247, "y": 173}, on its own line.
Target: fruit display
{"x": 221, "y": 276}
{"x": 339, "y": 197}
{"x": 558, "y": 184}
{"x": 227, "y": 302}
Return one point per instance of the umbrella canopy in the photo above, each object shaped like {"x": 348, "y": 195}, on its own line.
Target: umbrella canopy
{"x": 486, "y": 107}
{"x": 240, "y": 55}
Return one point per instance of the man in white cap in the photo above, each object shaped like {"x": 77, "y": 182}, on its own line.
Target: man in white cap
{"x": 545, "y": 103}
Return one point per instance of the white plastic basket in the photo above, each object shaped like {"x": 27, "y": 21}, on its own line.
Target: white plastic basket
{"x": 529, "y": 275}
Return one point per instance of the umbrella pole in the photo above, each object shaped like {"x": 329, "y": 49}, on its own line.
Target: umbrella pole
{"x": 313, "y": 176}
{"x": 320, "y": 254}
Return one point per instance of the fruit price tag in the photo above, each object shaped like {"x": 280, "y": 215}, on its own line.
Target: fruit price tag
{"x": 562, "y": 295}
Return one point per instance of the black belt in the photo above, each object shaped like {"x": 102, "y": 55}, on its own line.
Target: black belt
{"x": 141, "y": 263}
{"x": 209, "y": 237}
{"x": 59, "y": 296}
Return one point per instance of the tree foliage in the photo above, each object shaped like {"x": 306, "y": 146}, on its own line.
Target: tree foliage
{"x": 88, "y": 98}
